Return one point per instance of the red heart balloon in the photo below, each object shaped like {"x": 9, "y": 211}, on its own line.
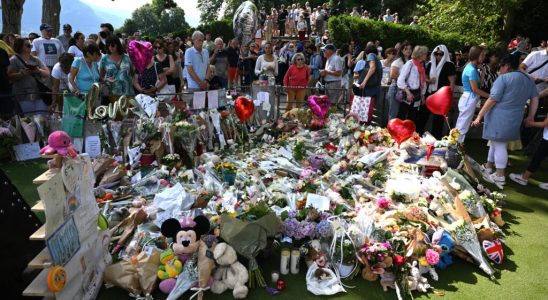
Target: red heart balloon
{"x": 401, "y": 130}
{"x": 439, "y": 103}
{"x": 244, "y": 108}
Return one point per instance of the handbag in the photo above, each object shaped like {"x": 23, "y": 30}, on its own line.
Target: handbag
{"x": 43, "y": 90}
{"x": 400, "y": 93}
{"x": 166, "y": 89}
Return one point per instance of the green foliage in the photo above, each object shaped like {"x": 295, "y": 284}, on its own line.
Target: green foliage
{"x": 348, "y": 28}
{"x": 222, "y": 29}
{"x": 157, "y": 18}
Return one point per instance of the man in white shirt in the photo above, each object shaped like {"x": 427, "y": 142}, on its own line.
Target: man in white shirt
{"x": 48, "y": 49}
{"x": 388, "y": 17}
{"x": 536, "y": 65}
{"x": 332, "y": 73}
{"x": 196, "y": 63}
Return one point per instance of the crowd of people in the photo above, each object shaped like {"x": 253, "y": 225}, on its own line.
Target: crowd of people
{"x": 503, "y": 82}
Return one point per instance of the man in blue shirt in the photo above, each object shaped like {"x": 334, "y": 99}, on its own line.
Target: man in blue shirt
{"x": 197, "y": 63}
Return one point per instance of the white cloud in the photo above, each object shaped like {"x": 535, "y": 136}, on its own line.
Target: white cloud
{"x": 192, "y": 14}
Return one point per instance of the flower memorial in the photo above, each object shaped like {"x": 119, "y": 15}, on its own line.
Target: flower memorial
{"x": 344, "y": 198}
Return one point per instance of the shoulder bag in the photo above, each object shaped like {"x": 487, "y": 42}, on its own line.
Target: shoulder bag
{"x": 43, "y": 90}
{"x": 400, "y": 93}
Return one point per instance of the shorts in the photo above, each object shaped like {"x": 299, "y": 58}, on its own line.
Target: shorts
{"x": 232, "y": 74}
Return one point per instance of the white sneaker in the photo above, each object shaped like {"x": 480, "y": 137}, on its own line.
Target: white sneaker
{"x": 543, "y": 186}
{"x": 499, "y": 181}
{"x": 517, "y": 178}
{"x": 484, "y": 168}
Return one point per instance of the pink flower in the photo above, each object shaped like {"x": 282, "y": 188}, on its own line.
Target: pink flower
{"x": 383, "y": 202}
{"x": 432, "y": 257}
{"x": 306, "y": 173}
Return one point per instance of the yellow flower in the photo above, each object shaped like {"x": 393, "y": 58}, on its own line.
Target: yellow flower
{"x": 423, "y": 262}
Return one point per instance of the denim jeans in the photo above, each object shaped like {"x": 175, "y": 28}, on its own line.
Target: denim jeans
{"x": 393, "y": 105}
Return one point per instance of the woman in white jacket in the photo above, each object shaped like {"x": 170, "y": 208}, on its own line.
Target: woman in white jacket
{"x": 412, "y": 80}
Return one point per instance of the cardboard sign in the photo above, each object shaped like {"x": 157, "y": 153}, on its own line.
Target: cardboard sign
{"x": 27, "y": 151}
{"x": 213, "y": 99}
{"x": 198, "y": 101}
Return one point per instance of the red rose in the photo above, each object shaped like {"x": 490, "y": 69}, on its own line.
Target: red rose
{"x": 399, "y": 260}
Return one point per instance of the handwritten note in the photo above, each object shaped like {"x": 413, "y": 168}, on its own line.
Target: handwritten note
{"x": 213, "y": 99}
{"x": 52, "y": 193}
{"x": 93, "y": 146}
{"x": 27, "y": 151}
{"x": 71, "y": 173}
{"x": 198, "y": 101}
{"x": 321, "y": 203}
{"x": 78, "y": 144}
{"x": 148, "y": 104}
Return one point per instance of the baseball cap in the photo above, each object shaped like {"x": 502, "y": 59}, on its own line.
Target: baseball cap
{"x": 46, "y": 27}
{"x": 67, "y": 26}
{"x": 329, "y": 47}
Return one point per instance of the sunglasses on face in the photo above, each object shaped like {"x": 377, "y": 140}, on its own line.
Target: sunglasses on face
{"x": 438, "y": 54}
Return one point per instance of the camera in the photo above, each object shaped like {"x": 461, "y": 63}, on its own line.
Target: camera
{"x": 103, "y": 34}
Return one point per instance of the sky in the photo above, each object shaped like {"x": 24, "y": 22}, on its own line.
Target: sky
{"x": 126, "y": 7}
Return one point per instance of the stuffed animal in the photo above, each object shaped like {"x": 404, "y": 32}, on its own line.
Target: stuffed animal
{"x": 424, "y": 268}
{"x": 445, "y": 241}
{"x": 415, "y": 280}
{"x": 230, "y": 274}
{"x": 59, "y": 142}
{"x": 186, "y": 236}
{"x": 169, "y": 269}
{"x": 388, "y": 280}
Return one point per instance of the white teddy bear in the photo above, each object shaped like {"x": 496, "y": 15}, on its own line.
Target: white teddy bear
{"x": 230, "y": 274}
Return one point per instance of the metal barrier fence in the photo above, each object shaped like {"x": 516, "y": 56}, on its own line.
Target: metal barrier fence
{"x": 277, "y": 98}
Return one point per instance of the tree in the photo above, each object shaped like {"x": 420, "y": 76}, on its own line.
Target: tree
{"x": 487, "y": 20}
{"x": 12, "y": 11}
{"x": 156, "y": 18}
{"x": 51, "y": 12}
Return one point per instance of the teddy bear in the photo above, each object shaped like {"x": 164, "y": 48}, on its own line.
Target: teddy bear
{"x": 230, "y": 274}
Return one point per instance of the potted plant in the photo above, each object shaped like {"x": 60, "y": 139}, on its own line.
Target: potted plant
{"x": 227, "y": 171}
{"x": 147, "y": 131}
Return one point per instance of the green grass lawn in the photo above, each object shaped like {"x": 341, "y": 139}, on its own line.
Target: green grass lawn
{"x": 521, "y": 276}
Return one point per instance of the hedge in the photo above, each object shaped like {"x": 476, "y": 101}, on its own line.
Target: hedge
{"x": 221, "y": 28}
{"x": 344, "y": 28}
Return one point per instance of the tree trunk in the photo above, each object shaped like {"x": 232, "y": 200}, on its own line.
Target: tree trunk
{"x": 509, "y": 21}
{"x": 51, "y": 11}
{"x": 12, "y": 11}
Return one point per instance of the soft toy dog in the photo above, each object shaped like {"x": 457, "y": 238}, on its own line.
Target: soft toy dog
{"x": 230, "y": 274}
{"x": 443, "y": 239}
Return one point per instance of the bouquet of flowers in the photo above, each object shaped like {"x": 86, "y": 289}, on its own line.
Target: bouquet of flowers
{"x": 227, "y": 171}
{"x": 171, "y": 161}
{"x": 376, "y": 256}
